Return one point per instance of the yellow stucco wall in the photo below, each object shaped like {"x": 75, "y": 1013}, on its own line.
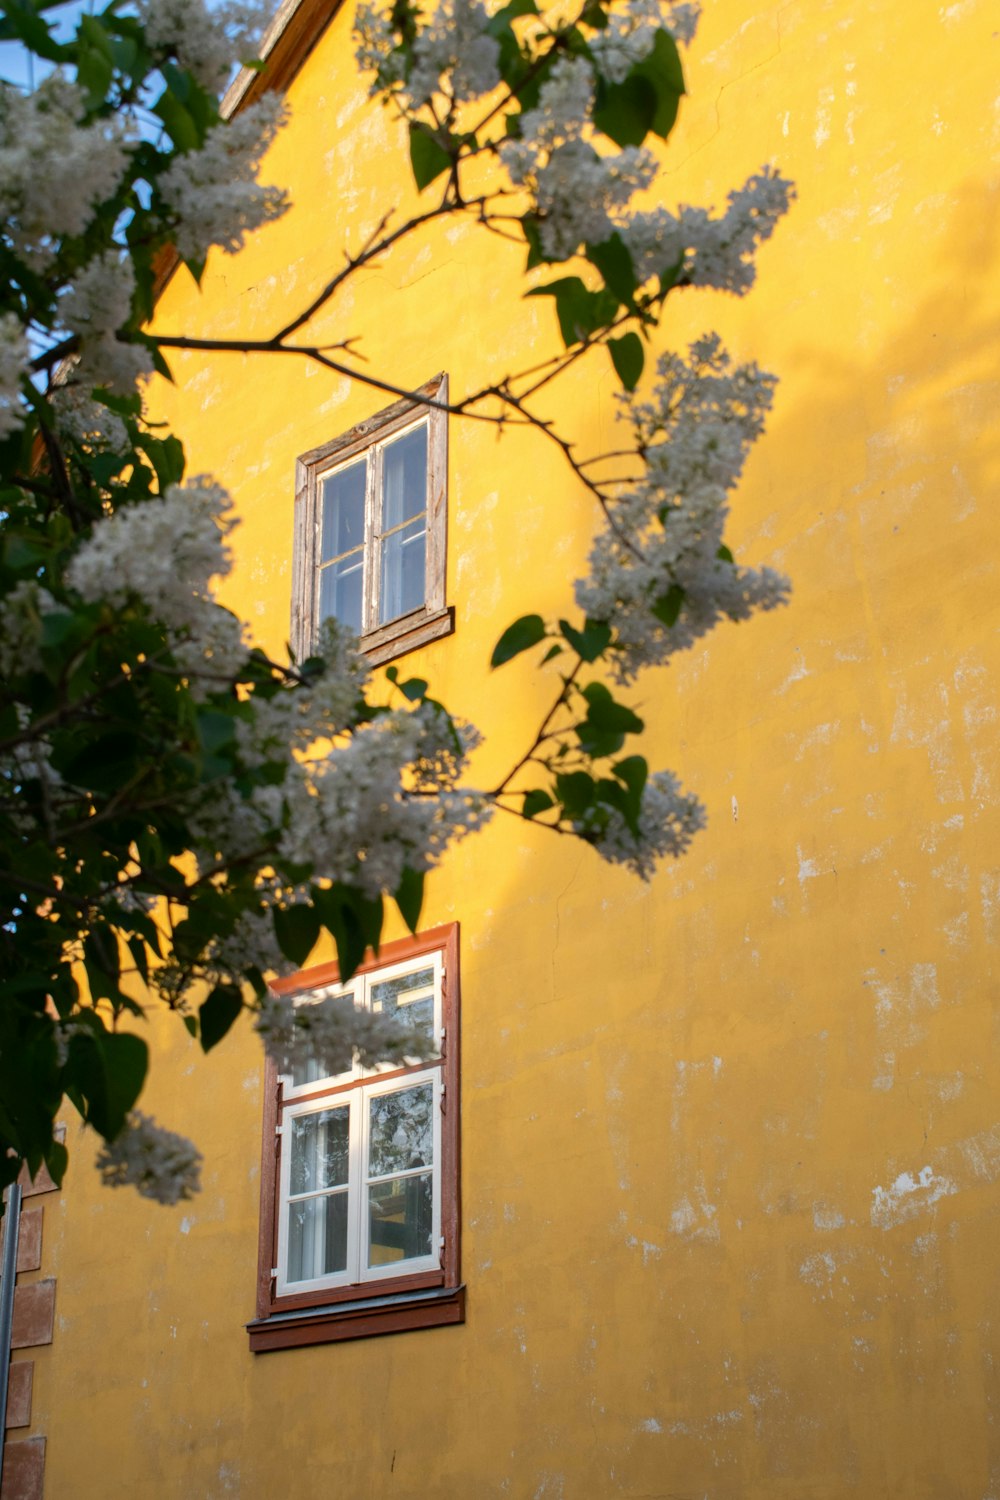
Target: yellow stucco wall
{"x": 730, "y": 1141}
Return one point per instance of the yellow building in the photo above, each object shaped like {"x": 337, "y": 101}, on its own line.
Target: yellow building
{"x": 728, "y": 1213}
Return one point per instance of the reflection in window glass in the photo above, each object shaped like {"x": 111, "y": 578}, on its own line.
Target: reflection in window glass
{"x": 319, "y": 1149}
{"x": 404, "y": 525}
{"x": 400, "y": 1219}
{"x": 401, "y": 1134}
{"x": 319, "y": 1166}
{"x": 310, "y": 1070}
{"x": 317, "y": 1236}
{"x": 342, "y": 547}
{"x": 409, "y": 999}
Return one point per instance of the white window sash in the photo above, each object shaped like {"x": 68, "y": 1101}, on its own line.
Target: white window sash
{"x": 361, "y": 986}
{"x": 371, "y": 569}
{"x": 357, "y": 1271}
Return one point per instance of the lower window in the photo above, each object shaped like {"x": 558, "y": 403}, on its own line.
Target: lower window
{"x": 360, "y": 1172}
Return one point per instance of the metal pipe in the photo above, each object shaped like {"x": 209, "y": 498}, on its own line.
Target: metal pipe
{"x": 8, "y": 1276}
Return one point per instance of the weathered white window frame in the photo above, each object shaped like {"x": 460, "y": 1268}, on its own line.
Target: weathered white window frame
{"x": 433, "y": 619}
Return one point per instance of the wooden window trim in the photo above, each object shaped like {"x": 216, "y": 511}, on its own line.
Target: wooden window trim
{"x": 426, "y": 1299}
{"x": 434, "y": 618}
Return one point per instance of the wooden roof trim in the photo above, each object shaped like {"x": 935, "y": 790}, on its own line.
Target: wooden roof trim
{"x": 287, "y": 42}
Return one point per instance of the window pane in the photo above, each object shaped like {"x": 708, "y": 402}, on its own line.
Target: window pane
{"x": 340, "y": 585}
{"x": 404, "y": 571}
{"x": 319, "y": 1150}
{"x": 401, "y": 1131}
{"x": 343, "y": 511}
{"x": 310, "y": 1071}
{"x": 400, "y": 1219}
{"x": 410, "y": 1001}
{"x": 317, "y": 1237}
{"x": 403, "y": 525}
{"x": 404, "y": 478}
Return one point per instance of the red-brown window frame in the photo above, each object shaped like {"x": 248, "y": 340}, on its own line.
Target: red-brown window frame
{"x": 427, "y": 1299}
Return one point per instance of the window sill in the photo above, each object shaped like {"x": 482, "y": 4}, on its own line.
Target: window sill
{"x": 368, "y": 1318}
{"x": 406, "y": 634}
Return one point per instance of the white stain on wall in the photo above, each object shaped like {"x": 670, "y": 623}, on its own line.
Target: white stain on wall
{"x": 908, "y": 1196}
{"x": 695, "y": 1220}
{"x": 818, "y": 1270}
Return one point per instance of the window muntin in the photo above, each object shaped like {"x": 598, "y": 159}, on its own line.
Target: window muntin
{"x": 360, "y": 1180}
{"x": 371, "y": 527}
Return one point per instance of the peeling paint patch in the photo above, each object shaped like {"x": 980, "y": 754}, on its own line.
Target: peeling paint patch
{"x": 818, "y": 1270}
{"x": 799, "y": 671}
{"x": 649, "y": 1250}
{"x": 808, "y": 868}
{"x": 907, "y": 1196}
{"x": 827, "y": 1218}
{"x": 982, "y": 1153}
{"x": 709, "y": 1427}
{"x": 989, "y": 897}
{"x": 550, "y": 1487}
{"x": 650, "y": 1425}
{"x": 695, "y": 1221}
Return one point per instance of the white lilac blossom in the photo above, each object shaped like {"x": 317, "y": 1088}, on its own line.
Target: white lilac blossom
{"x": 565, "y": 101}
{"x": 88, "y": 423}
{"x": 252, "y": 943}
{"x": 627, "y": 39}
{"x": 456, "y": 43}
{"x": 682, "y": 21}
{"x": 29, "y": 758}
{"x": 668, "y": 821}
{"x": 664, "y": 534}
{"x": 95, "y": 307}
{"x": 375, "y": 47}
{"x": 295, "y": 719}
{"x": 385, "y": 800}
{"x": 161, "y": 1165}
{"x": 204, "y": 41}
{"x": 13, "y": 367}
{"x": 166, "y": 551}
{"x": 213, "y": 191}
{"x": 707, "y": 251}
{"x": 131, "y": 900}
{"x": 581, "y": 195}
{"x": 329, "y": 1031}
{"x": 54, "y": 171}
{"x": 224, "y": 826}
{"x": 21, "y": 614}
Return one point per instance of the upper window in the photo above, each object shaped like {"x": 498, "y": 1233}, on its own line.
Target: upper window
{"x": 359, "y": 1205}
{"x": 370, "y": 530}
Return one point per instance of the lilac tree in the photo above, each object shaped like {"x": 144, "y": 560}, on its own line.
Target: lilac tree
{"x": 176, "y": 807}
